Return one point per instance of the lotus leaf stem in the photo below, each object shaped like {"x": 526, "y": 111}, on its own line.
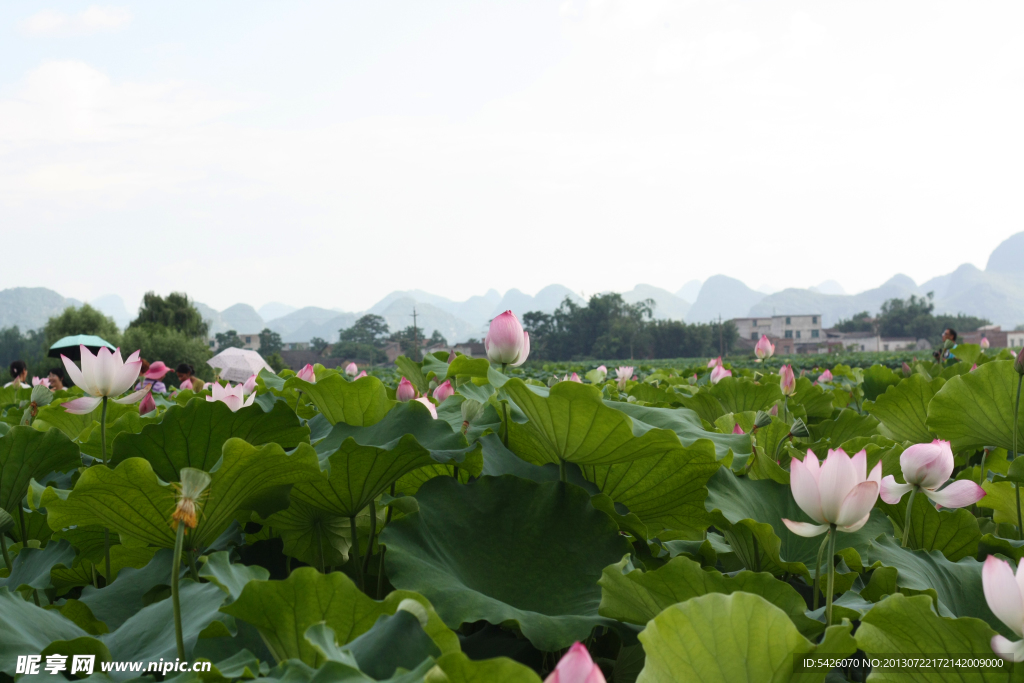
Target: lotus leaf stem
{"x": 179, "y": 540}
{"x": 193, "y": 570}
{"x": 24, "y": 526}
{"x": 103, "y": 445}
{"x": 504, "y": 408}
{"x": 910, "y": 514}
{"x": 320, "y": 544}
{"x": 3, "y": 548}
{"x": 562, "y": 475}
{"x": 831, "y": 574}
{"x": 1016, "y": 485}
{"x": 380, "y": 566}
{"x": 355, "y": 553}
{"x": 817, "y": 573}
{"x": 757, "y": 555}
{"x": 373, "y": 533}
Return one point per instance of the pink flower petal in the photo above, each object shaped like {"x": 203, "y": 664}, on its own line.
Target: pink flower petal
{"x": 928, "y": 465}
{"x": 836, "y": 480}
{"x": 805, "y": 491}
{"x": 850, "y": 528}
{"x": 82, "y": 406}
{"x": 957, "y": 495}
{"x": 804, "y": 529}
{"x": 576, "y": 667}
{"x": 857, "y": 503}
{"x": 1007, "y": 649}
{"x": 1002, "y": 593}
{"x": 133, "y": 397}
{"x": 74, "y": 374}
{"x": 891, "y": 492}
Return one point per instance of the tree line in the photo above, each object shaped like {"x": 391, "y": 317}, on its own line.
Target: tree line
{"x": 914, "y": 317}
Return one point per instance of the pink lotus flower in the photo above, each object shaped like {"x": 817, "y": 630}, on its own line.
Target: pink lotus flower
{"x": 104, "y": 375}
{"x": 715, "y": 362}
{"x": 430, "y": 406}
{"x": 572, "y": 378}
{"x": 148, "y": 405}
{"x": 351, "y": 369}
{"x": 406, "y": 391}
{"x": 719, "y": 373}
{"x": 361, "y": 375}
{"x": 984, "y": 343}
{"x": 233, "y": 396}
{"x": 443, "y": 391}
{"x": 452, "y": 356}
{"x": 839, "y": 492}
{"x": 306, "y": 374}
{"x": 825, "y": 376}
{"x": 506, "y": 341}
{"x": 249, "y": 385}
{"x": 603, "y": 370}
{"x": 1004, "y": 594}
{"x": 974, "y": 367}
{"x": 774, "y": 411}
{"x": 927, "y": 466}
{"x": 736, "y": 429}
{"x": 787, "y": 380}
{"x": 576, "y": 667}
{"x": 764, "y": 348}
{"x": 622, "y": 375}
{"x": 44, "y": 381}
{"x": 906, "y": 370}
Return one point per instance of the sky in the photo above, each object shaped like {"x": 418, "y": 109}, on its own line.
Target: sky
{"x": 328, "y": 152}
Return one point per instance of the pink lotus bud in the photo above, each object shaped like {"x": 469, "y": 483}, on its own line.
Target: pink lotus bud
{"x": 736, "y": 429}
{"x": 575, "y": 378}
{"x": 839, "y": 492}
{"x": 576, "y": 667}
{"x": 787, "y": 380}
{"x": 430, "y": 406}
{"x": 148, "y": 405}
{"x": 361, "y": 375}
{"x": 406, "y": 391}
{"x": 306, "y": 374}
{"x": 452, "y": 356}
{"x": 825, "y": 376}
{"x": 249, "y": 386}
{"x": 984, "y": 343}
{"x": 602, "y": 369}
{"x": 764, "y": 348}
{"x": 622, "y": 375}
{"x": 715, "y": 362}
{"x": 774, "y": 411}
{"x": 443, "y": 391}
{"x": 974, "y": 367}
{"x": 506, "y": 341}
{"x": 928, "y": 466}
{"x": 44, "y": 381}
{"x": 1004, "y": 597}
{"x": 351, "y": 369}
{"x": 719, "y": 373}
{"x": 906, "y": 370}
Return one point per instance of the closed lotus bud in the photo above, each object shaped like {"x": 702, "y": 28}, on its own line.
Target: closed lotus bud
{"x": 764, "y": 348}
{"x": 506, "y": 341}
{"x": 443, "y": 391}
{"x": 906, "y": 370}
{"x": 351, "y": 369}
{"x": 574, "y": 378}
{"x": 306, "y": 374}
{"x": 718, "y": 373}
{"x": 736, "y": 429}
{"x": 604, "y": 372}
{"x": 622, "y": 375}
{"x": 191, "y": 491}
{"x": 406, "y": 391}
{"x": 1018, "y": 364}
{"x": 799, "y": 428}
{"x": 147, "y": 405}
{"x": 471, "y": 410}
{"x": 774, "y": 411}
{"x": 984, "y": 343}
{"x": 715, "y": 362}
{"x": 452, "y": 357}
{"x": 762, "y": 419}
{"x": 576, "y": 667}
{"x": 787, "y": 380}
{"x": 825, "y": 376}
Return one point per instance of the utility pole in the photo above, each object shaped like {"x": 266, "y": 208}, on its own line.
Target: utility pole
{"x": 415, "y": 336}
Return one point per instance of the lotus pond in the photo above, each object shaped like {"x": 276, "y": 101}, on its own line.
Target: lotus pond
{"x": 655, "y": 525}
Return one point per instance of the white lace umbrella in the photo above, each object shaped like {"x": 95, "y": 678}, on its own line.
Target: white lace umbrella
{"x": 237, "y": 365}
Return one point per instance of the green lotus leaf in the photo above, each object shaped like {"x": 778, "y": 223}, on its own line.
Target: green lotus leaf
{"x": 849, "y": 424}
{"x": 456, "y": 667}
{"x": 909, "y": 627}
{"x": 475, "y": 553}
{"x": 364, "y": 461}
{"x": 361, "y": 403}
{"x": 393, "y": 642}
{"x": 27, "y": 454}
{"x": 129, "y": 423}
{"x": 877, "y": 380}
{"x": 115, "y": 603}
{"x": 746, "y": 510}
{"x": 732, "y": 638}
{"x": 1001, "y": 498}
{"x": 685, "y": 423}
{"x": 194, "y": 435}
{"x": 956, "y": 585}
{"x": 131, "y": 500}
{"x": 704, "y": 405}
{"x": 232, "y": 578}
{"x": 955, "y": 533}
{"x": 30, "y": 570}
{"x": 465, "y": 366}
{"x": 317, "y": 537}
{"x": 77, "y": 427}
{"x": 903, "y": 409}
{"x": 737, "y": 394}
{"x": 637, "y": 597}
{"x": 976, "y": 409}
{"x": 283, "y": 611}
{"x": 815, "y": 401}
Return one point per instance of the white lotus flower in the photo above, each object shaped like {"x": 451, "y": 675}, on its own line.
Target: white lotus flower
{"x": 104, "y": 375}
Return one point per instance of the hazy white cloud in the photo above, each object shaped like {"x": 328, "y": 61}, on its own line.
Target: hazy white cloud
{"x": 95, "y": 19}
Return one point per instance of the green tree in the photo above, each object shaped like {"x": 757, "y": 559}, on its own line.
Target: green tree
{"x": 158, "y": 342}
{"x": 82, "y": 320}
{"x": 270, "y": 343}
{"x": 858, "y": 322}
{"x": 175, "y": 311}
{"x": 29, "y": 347}
{"x": 437, "y": 338}
{"x": 914, "y": 318}
{"x": 318, "y": 344}
{"x": 228, "y": 340}
{"x": 362, "y": 339}
{"x": 276, "y": 361}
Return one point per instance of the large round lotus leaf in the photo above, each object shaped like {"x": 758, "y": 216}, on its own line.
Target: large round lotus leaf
{"x": 504, "y": 549}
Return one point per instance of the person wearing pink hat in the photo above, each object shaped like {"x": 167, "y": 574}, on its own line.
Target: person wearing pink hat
{"x": 151, "y": 375}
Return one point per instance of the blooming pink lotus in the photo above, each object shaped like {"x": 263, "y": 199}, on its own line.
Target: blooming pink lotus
{"x": 249, "y": 385}
{"x": 361, "y": 375}
{"x": 576, "y": 667}
{"x": 306, "y": 374}
{"x": 622, "y": 375}
{"x": 351, "y": 369}
{"x": 719, "y": 373}
{"x": 430, "y": 406}
{"x": 764, "y": 348}
{"x": 984, "y": 343}
{"x": 443, "y": 391}
{"x": 1004, "y": 593}
{"x": 104, "y": 375}
{"x": 825, "y": 376}
{"x": 839, "y": 492}
{"x": 233, "y": 396}
{"x": 787, "y": 380}
{"x": 715, "y": 362}
{"x": 147, "y": 405}
{"x": 926, "y": 467}
{"x": 572, "y": 378}
{"x": 506, "y": 341}
{"x": 41, "y": 381}
{"x": 406, "y": 391}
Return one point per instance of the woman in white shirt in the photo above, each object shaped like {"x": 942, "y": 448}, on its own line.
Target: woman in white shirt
{"x": 19, "y": 372}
